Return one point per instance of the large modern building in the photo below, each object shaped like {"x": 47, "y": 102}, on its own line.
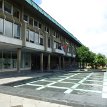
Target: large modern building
{"x": 30, "y": 39}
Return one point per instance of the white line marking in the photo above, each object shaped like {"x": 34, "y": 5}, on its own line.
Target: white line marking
{"x": 104, "y": 90}
{"x": 89, "y": 90}
{"x": 58, "y": 87}
{"x": 19, "y": 85}
{"x": 55, "y": 82}
{"x": 34, "y": 84}
{"x": 76, "y": 85}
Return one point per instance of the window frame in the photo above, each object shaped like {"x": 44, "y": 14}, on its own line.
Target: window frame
{"x": 26, "y": 17}
{"x": 18, "y": 35}
{"x": 6, "y": 9}
{"x": 18, "y": 11}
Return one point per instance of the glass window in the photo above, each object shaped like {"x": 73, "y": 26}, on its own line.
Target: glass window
{"x": 45, "y": 28}
{"x": 16, "y": 12}
{"x": 17, "y": 31}
{"x": 54, "y": 45}
{"x": 31, "y": 35}
{"x": 0, "y": 4}
{"x": 41, "y": 41}
{"x": 48, "y": 30}
{"x": 49, "y": 42}
{"x": 36, "y": 38}
{"x": 31, "y": 21}
{"x": 40, "y": 25}
{"x": 1, "y": 26}
{"x": 25, "y": 17}
{"x": 7, "y": 7}
{"x": 26, "y": 60}
{"x": 7, "y": 60}
{"x": 35, "y": 23}
{"x": 14, "y": 60}
{"x": 0, "y": 60}
{"x": 8, "y": 28}
{"x": 27, "y": 35}
{"x": 59, "y": 46}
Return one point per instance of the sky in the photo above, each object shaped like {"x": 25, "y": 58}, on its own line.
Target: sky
{"x": 85, "y": 19}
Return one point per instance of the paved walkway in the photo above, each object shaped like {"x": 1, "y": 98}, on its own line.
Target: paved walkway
{"x": 15, "y": 76}
{"x": 74, "y": 89}
{"x": 15, "y": 101}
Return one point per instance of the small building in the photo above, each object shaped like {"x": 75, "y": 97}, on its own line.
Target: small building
{"x": 30, "y": 39}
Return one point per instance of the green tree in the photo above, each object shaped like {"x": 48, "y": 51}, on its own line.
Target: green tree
{"x": 91, "y": 59}
{"x": 83, "y": 54}
{"x": 100, "y": 60}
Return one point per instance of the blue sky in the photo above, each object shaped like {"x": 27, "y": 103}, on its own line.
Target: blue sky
{"x": 38, "y": 1}
{"x": 85, "y": 19}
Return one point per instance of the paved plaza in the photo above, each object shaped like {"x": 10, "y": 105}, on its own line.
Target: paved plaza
{"x": 89, "y": 89}
{"x": 71, "y": 83}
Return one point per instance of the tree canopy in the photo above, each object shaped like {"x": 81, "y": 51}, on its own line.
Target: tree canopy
{"x": 84, "y": 56}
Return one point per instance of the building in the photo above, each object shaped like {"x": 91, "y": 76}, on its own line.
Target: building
{"x": 30, "y": 39}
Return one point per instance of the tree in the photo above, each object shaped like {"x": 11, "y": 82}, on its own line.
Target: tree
{"x": 91, "y": 59}
{"x": 83, "y": 54}
{"x": 100, "y": 60}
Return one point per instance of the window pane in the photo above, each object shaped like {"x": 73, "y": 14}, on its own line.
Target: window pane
{"x": 31, "y": 21}
{"x": 0, "y": 4}
{"x": 54, "y": 45}
{"x": 14, "y": 60}
{"x": 27, "y": 35}
{"x": 27, "y": 60}
{"x": 1, "y": 26}
{"x": 25, "y": 18}
{"x": 16, "y": 31}
{"x": 35, "y": 23}
{"x": 31, "y": 34}
{"x": 41, "y": 40}
{"x": 0, "y": 60}
{"x": 16, "y": 12}
{"x": 7, "y": 7}
{"x": 7, "y": 60}
{"x": 48, "y": 42}
{"x": 48, "y": 30}
{"x": 36, "y": 38}
{"x": 8, "y": 28}
{"x": 40, "y": 25}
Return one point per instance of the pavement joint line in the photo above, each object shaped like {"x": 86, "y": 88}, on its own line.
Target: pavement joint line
{"x": 76, "y": 85}
{"x": 104, "y": 90}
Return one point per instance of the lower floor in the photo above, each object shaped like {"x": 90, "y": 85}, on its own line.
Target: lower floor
{"x": 18, "y": 59}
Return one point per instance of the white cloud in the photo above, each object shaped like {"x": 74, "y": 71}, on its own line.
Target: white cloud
{"x": 86, "y": 19}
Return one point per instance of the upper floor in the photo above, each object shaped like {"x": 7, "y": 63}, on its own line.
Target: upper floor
{"x": 22, "y": 24}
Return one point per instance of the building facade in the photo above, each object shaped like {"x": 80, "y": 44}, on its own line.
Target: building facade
{"x": 30, "y": 39}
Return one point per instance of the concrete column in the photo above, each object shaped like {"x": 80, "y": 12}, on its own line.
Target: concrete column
{"x": 41, "y": 62}
{"x": 49, "y": 62}
{"x": 59, "y": 62}
{"x": 63, "y": 62}
{"x": 23, "y": 29}
{"x": 18, "y": 59}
